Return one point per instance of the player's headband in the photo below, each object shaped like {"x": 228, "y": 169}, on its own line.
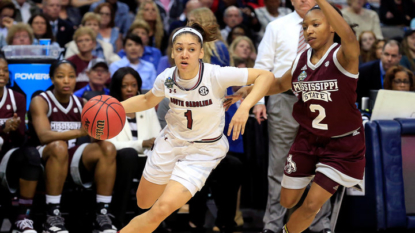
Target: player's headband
{"x": 187, "y": 29}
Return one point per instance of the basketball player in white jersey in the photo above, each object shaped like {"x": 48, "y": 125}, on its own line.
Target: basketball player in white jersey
{"x": 191, "y": 144}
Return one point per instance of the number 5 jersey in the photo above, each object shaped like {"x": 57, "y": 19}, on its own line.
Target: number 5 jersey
{"x": 326, "y": 95}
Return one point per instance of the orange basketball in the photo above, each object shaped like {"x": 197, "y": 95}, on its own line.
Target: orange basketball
{"x": 103, "y": 117}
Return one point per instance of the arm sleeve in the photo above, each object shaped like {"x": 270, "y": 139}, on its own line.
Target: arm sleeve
{"x": 158, "y": 87}
{"x": 162, "y": 111}
{"x": 266, "y": 50}
{"x": 230, "y": 76}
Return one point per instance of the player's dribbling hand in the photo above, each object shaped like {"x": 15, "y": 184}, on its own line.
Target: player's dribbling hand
{"x": 238, "y": 123}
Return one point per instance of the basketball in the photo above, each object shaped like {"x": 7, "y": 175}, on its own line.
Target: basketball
{"x": 103, "y": 117}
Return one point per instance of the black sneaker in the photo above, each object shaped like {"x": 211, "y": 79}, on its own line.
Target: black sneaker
{"x": 103, "y": 224}
{"x": 54, "y": 223}
{"x": 24, "y": 225}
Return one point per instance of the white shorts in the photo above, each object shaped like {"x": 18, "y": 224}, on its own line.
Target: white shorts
{"x": 189, "y": 163}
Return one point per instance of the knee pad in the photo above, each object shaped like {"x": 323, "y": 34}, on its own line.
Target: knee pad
{"x": 32, "y": 156}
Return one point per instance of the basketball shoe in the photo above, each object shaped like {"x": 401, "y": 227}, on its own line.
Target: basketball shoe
{"x": 103, "y": 223}
{"x": 23, "y": 225}
{"x": 54, "y": 221}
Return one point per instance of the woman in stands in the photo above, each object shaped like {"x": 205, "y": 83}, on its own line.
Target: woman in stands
{"x": 399, "y": 78}
{"x": 20, "y": 166}
{"x": 329, "y": 145}
{"x": 107, "y": 30}
{"x": 192, "y": 143}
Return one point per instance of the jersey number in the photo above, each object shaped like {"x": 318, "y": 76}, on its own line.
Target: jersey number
{"x": 321, "y": 115}
{"x": 188, "y": 115}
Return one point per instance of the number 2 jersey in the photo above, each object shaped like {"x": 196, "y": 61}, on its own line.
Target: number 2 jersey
{"x": 196, "y": 112}
{"x": 326, "y": 95}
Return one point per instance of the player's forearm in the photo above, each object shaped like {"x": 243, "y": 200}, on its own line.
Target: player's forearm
{"x": 258, "y": 90}
{"x": 276, "y": 87}
{"x": 137, "y": 103}
{"x": 51, "y": 136}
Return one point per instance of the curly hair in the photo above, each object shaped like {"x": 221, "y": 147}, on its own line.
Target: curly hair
{"x": 390, "y": 76}
{"x": 18, "y": 28}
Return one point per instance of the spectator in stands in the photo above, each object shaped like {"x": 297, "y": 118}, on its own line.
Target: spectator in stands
{"x": 232, "y": 17}
{"x": 367, "y": 41}
{"x": 244, "y": 48}
{"x": 102, "y": 49}
{"x": 367, "y": 20}
{"x": 182, "y": 21}
{"x": 238, "y": 30}
{"x": 399, "y": 78}
{"x": 166, "y": 61}
{"x": 56, "y": 122}
{"x": 379, "y": 44}
{"x": 142, "y": 29}
{"x": 134, "y": 48}
{"x": 7, "y": 14}
{"x": 41, "y": 28}
{"x": 149, "y": 12}
{"x": 122, "y": 19}
{"x": 215, "y": 52}
{"x": 62, "y": 30}
{"x": 396, "y": 12}
{"x": 20, "y": 34}
{"x": 25, "y": 9}
{"x": 98, "y": 74}
{"x": 408, "y": 50}
{"x": 70, "y": 13}
{"x": 372, "y": 74}
{"x": 20, "y": 166}
{"x": 85, "y": 39}
{"x": 107, "y": 30}
{"x": 136, "y": 138}
{"x": 271, "y": 11}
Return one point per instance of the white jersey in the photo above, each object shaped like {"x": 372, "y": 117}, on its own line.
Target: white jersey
{"x": 197, "y": 113}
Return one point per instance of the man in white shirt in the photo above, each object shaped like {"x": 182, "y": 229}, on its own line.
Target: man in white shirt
{"x": 276, "y": 52}
{"x": 25, "y": 9}
{"x": 231, "y": 17}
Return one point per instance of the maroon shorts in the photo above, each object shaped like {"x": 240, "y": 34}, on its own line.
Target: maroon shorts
{"x": 342, "y": 159}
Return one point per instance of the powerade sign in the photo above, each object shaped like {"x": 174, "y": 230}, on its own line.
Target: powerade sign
{"x": 30, "y": 78}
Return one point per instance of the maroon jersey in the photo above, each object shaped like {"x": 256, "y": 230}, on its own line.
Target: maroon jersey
{"x": 326, "y": 95}
{"x": 63, "y": 118}
{"x": 11, "y": 103}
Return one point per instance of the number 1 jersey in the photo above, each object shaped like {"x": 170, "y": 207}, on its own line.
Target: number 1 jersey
{"x": 326, "y": 95}
{"x": 196, "y": 113}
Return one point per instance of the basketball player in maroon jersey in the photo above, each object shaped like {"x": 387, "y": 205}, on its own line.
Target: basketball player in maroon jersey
{"x": 329, "y": 145}
{"x": 20, "y": 167}
{"x": 56, "y": 120}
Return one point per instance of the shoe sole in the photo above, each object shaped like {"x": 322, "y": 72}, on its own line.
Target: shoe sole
{"x": 54, "y": 232}
{"x": 28, "y": 231}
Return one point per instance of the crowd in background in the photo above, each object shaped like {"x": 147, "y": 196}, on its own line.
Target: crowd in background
{"x": 119, "y": 48}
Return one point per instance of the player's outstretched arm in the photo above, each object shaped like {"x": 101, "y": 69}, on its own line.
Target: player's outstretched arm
{"x": 348, "y": 55}
{"x": 38, "y": 110}
{"x": 141, "y": 103}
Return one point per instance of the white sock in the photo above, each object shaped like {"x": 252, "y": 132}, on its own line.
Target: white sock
{"x": 104, "y": 199}
{"x": 53, "y": 199}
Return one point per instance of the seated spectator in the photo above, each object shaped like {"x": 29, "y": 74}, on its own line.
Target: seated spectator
{"x": 20, "y": 34}
{"x": 367, "y": 20}
{"x": 107, "y": 30}
{"x": 62, "y": 30}
{"x": 25, "y": 9}
{"x": 142, "y": 29}
{"x": 400, "y": 79}
{"x": 149, "y": 12}
{"x": 41, "y": 29}
{"x": 70, "y": 13}
{"x": 166, "y": 61}
{"x": 182, "y": 21}
{"x": 215, "y": 52}
{"x": 367, "y": 53}
{"x": 20, "y": 166}
{"x": 232, "y": 17}
{"x": 238, "y": 30}
{"x": 133, "y": 47}
{"x": 98, "y": 74}
{"x": 396, "y": 12}
{"x": 102, "y": 49}
{"x": 371, "y": 74}
{"x": 408, "y": 50}
{"x": 136, "y": 138}
{"x": 122, "y": 18}
{"x": 379, "y": 44}
{"x": 7, "y": 15}
{"x": 85, "y": 40}
{"x": 244, "y": 48}
{"x": 55, "y": 123}
{"x": 271, "y": 11}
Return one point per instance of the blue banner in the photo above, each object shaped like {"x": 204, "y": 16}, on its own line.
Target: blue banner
{"x": 30, "y": 78}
